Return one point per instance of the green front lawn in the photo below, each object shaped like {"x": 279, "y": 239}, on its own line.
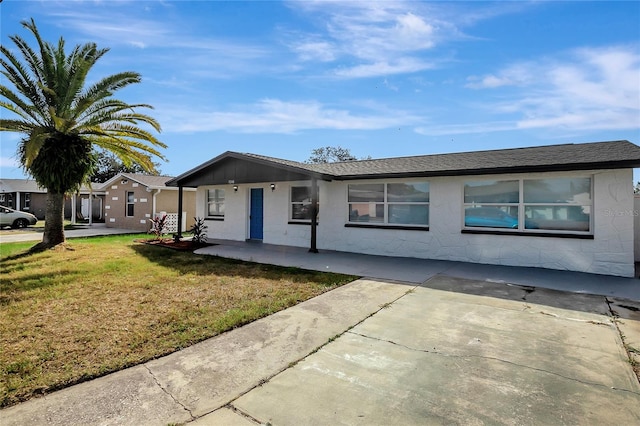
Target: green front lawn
{"x": 109, "y": 303}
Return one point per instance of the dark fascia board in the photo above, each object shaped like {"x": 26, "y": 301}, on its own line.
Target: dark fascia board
{"x": 240, "y": 156}
{"x": 498, "y": 170}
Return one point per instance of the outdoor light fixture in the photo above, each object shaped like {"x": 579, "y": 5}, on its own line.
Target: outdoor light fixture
{"x": 235, "y": 188}
{"x": 273, "y": 186}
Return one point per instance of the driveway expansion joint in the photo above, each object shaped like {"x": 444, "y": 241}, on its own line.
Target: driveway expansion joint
{"x": 491, "y": 358}
{"x": 243, "y": 414}
{"x": 155, "y": 379}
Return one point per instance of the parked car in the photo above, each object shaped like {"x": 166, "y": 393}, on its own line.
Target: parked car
{"x": 493, "y": 217}
{"x": 15, "y": 218}
{"x": 489, "y": 217}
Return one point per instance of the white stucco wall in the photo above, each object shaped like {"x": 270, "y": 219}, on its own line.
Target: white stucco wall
{"x": 610, "y": 252}
{"x": 636, "y": 227}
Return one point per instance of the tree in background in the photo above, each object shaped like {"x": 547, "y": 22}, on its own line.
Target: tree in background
{"x": 636, "y": 189}
{"x": 108, "y": 165}
{"x": 64, "y": 122}
{"x": 332, "y": 154}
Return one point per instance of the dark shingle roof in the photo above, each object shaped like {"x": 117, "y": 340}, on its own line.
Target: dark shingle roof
{"x": 597, "y": 155}
{"x": 567, "y": 157}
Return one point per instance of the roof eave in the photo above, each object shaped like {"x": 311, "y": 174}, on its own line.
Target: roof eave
{"x": 625, "y": 164}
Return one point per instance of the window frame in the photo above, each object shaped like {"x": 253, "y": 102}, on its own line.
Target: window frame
{"x": 386, "y": 203}
{"x": 522, "y": 206}
{"x": 217, "y": 201}
{"x": 291, "y": 219}
{"x": 128, "y": 203}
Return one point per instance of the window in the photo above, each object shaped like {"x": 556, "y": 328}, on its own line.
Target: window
{"x": 130, "y": 203}
{"x": 492, "y": 204}
{"x": 27, "y": 200}
{"x": 215, "y": 202}
{"x": 558, "y": 204}
{"x": 405, "y": 203}
{"x": 300, "y": 203}
{"x": 530, "y": 205}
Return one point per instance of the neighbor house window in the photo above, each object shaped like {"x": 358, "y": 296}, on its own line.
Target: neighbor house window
{"x": 405, "y": 203}
{"x": 27, "y": 200}
{"x": 215, "y": 202}
{"x": 130, "y": 203}
{"x": 300, "y": 203}
{"x": 530, "y": 205}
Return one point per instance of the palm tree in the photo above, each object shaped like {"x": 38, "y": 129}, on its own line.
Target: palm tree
{"x": 64, "y": 122}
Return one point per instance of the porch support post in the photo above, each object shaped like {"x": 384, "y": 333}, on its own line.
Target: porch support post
{"x": 90, "y": 205}
{"x": 180, "y": 193}
{"x": 314, "y": 215}
{"x": 73, "y": 208}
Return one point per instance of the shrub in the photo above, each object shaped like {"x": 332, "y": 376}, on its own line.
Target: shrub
{"x": 199, "y": 231}
{"x": 157, "y": 226}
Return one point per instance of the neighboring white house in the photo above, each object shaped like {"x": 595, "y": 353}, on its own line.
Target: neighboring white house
{"x": 567, "y": 207}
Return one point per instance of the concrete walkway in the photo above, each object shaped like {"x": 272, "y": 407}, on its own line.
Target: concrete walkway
{"x": 420, "y": 270}
{"x": 442, "y": 343}
{"x": 80, "y": 231}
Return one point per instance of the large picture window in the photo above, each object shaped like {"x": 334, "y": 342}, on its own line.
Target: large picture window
{"x": 558, "y": 204}
{"x": 530, "y": 205}
{"x": 405, "y": 203}
{"x": 300, "y": 204}
{"x": 215, "y": 202}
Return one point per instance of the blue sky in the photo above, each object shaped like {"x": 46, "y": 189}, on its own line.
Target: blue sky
{"x": 385, "y": 78}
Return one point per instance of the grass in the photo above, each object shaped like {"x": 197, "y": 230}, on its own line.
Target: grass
{"x": 72, "y": 315}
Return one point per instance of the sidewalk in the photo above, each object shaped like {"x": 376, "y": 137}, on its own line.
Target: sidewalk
{"x": 94, "y": 230}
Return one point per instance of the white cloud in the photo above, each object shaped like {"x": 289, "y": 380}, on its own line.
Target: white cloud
{"x": 515, "y": 75}
{"x": 588, "y": 89}
{"x": 277, "y": 116}
{"x": 314, "y": 50}
{"x": 401, "y": 66}
{"x": 380, "y": 38}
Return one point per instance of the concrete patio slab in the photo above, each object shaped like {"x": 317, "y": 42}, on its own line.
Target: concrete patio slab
{"x": 419, "y": 270}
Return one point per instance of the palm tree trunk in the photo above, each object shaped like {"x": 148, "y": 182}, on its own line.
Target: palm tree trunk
{"x": 54, "y": 222}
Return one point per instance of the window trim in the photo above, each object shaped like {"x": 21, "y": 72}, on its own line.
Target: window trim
{"x": 521, "y": 205}
{"x": 385, "y": 224}
{"x": 216, "y": 201}
{"x": 128, "y": 203}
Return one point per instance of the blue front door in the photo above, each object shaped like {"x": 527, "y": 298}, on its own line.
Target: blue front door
{"x": 255, "y": 214}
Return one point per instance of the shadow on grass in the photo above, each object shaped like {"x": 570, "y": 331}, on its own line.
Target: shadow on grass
{"x": 15, "y": 290}
{"x": 189, "y": 263}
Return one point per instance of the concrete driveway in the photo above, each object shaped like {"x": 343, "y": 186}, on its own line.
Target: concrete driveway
{"x": 456, "y": 351}
{"x": 380, "y": 352}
